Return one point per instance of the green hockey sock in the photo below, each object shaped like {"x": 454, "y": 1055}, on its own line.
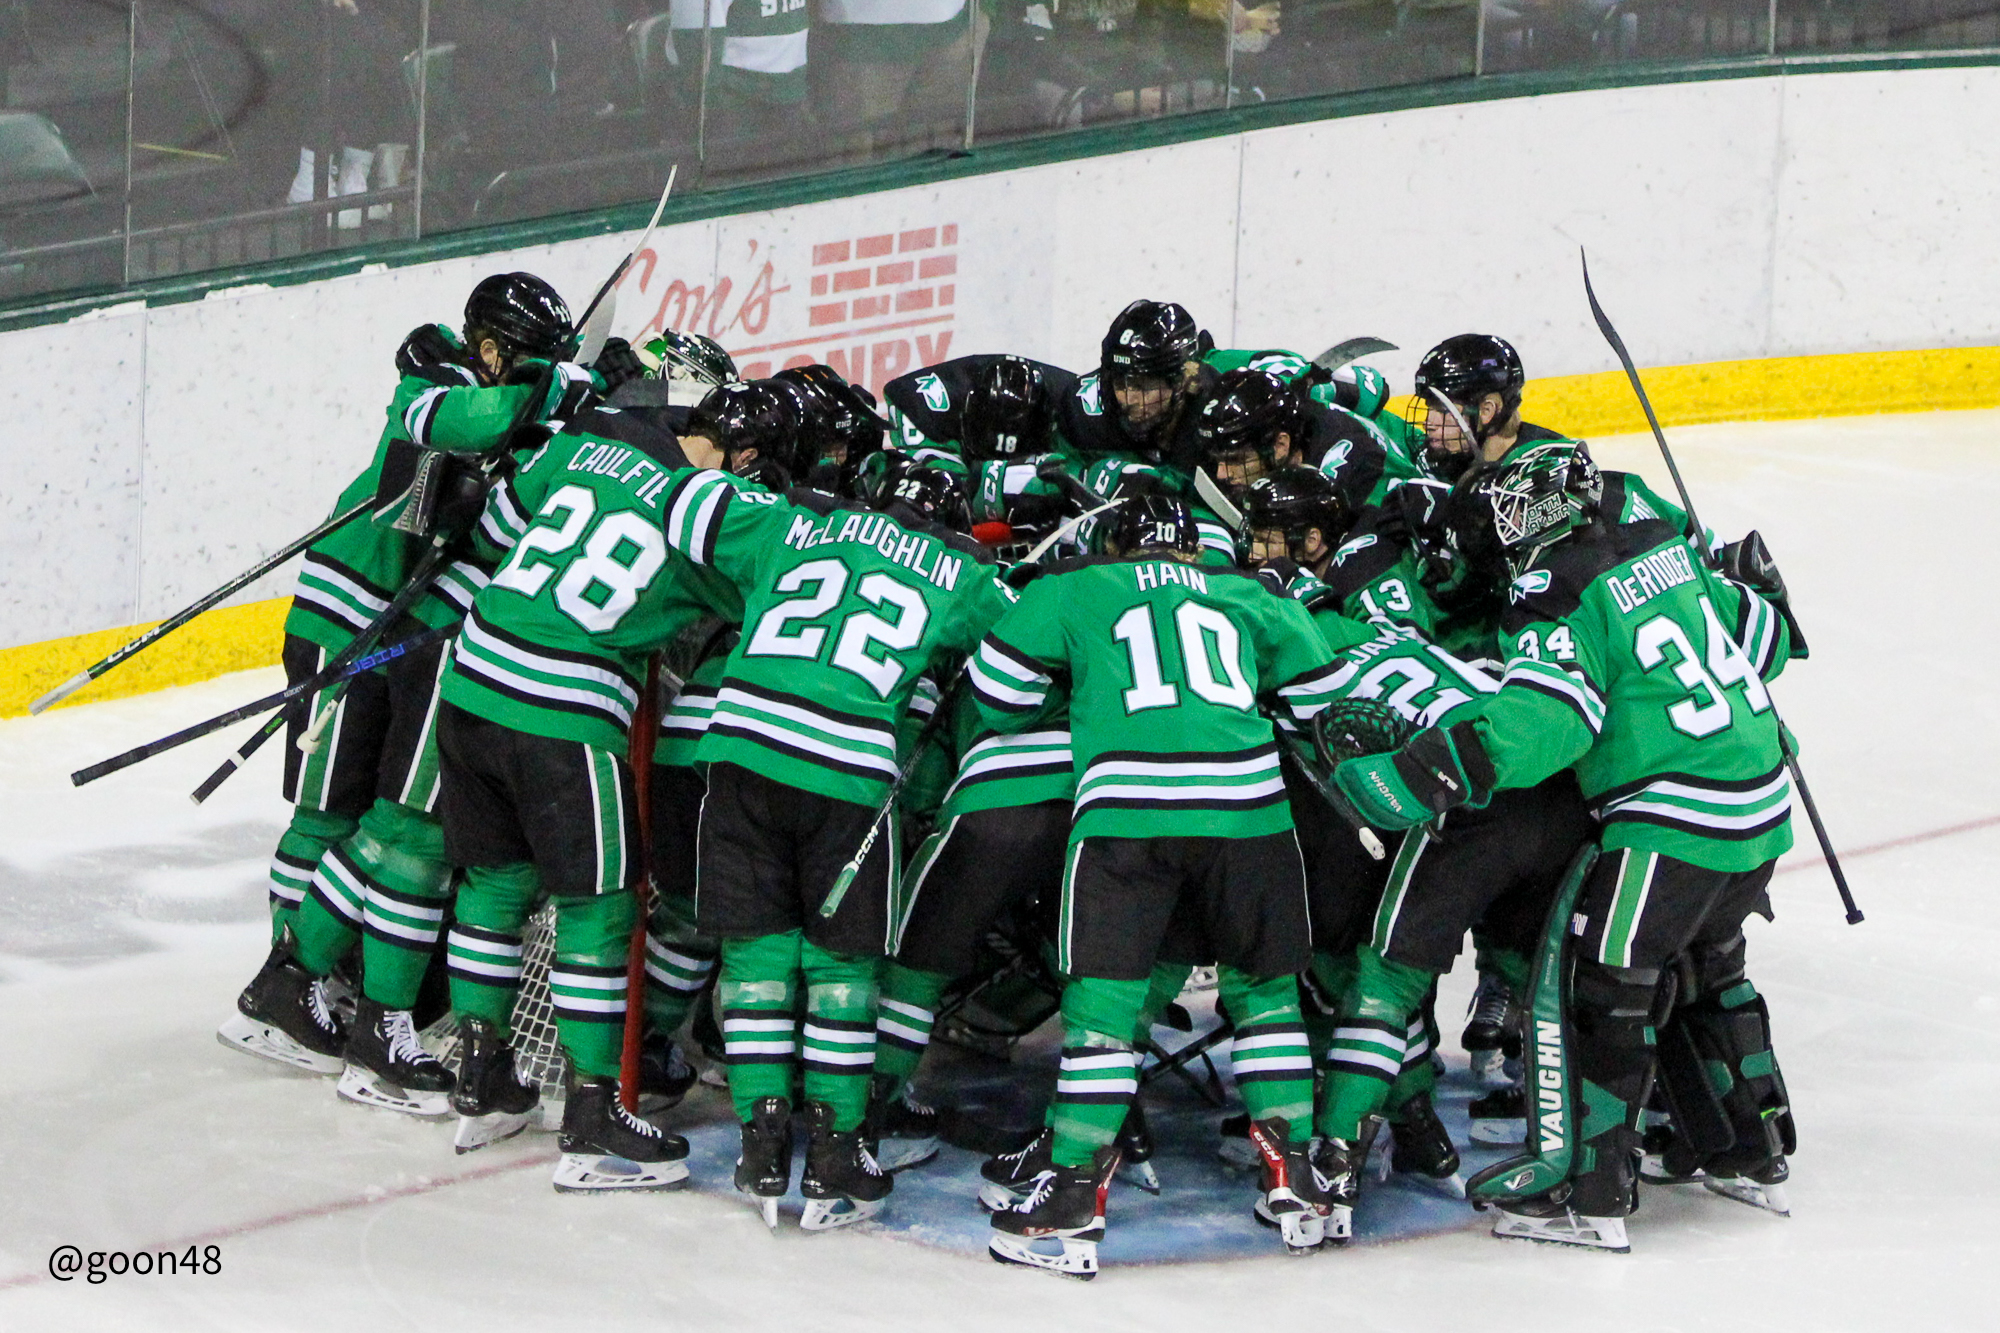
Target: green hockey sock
{"x": 328, "y": 921}
{"x": 679, "y": 962}
{"x": 1321, "y": 989}
{"x": 760, "y": 1025}
{"x": 903, "y": 1025}
{"x": 396, "y": 858}
{"x": 1099, "y": 1075}
{"x": 839, "y": 1045}
{"x": 1370, "y": 1044}
{"x": 1268, "y": 1054}
{"x": 1418, "y": 1076}
{"x": 300, "y": 848}
{"x": 1510, "y": 965}
{"x": 483, "y": 952}
{"x": 587, "y": 978}
{"x": 1163, "y": 986}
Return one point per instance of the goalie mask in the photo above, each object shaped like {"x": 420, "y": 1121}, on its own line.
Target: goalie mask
{"x": 1520, "y": 507}
{"x": 690, "y": 363}
{"x": 1452, "y": 381}
{"x": 1006, "y": 412}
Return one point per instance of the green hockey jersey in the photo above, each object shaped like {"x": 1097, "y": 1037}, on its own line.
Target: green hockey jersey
{"x": 1168, "y": 667}
{"x": 1635, "y": 663}
{"x": 350, "y": 576}
{"x": 843, "y": 612}
{"x": 556, "y": 644}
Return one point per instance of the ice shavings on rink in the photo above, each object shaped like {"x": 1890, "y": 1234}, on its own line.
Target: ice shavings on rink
{"x": 129, "y": 919}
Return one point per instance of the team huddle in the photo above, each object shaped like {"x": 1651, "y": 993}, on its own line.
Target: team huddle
{"x": 1047, "y": 689}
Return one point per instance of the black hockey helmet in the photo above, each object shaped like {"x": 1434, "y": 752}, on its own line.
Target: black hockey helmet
{"x": 1006, "y": 412}
{"x": 1155, "y": 522}
{"x": 930, "y": 493}
{"x": 1245, "y": 414}
{"x": 1294, "y": 501}
{"x": 690, "y": 360}
{"x": 1513, "y": 510}
{"x": 759, "y": 415}
{"x": 1452, "y": 380}
{"x": 845, "y": 412}
{"x": 1149, "y": 341}
{"x": 523, "y": 314}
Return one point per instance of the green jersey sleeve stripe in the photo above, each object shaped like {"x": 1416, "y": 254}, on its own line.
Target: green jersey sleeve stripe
{"x": 695, "y": 513}
{"x": 1005, "y": 679}
{"x": 561, "y": 678}
{"x": 1570, "y": 688}
{"x": 502, "y": 523}
{"x": 417, "y": 416}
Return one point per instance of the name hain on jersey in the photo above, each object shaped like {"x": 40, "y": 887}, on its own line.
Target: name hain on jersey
{"x": 1165, "y": 572}
{"x": 1651, "y": 575}
{"x": 921, "y": 555}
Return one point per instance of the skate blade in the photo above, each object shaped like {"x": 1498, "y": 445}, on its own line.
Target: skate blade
{"x": 1077, "y": 1258}
{"x": 999, "y": 1198}
{"x": 359, "y": 1086}
{"x": 1140, "y": 1175}
{"x": 901, "y": 1154}
{"x": 1451, "y": 1186}
{"x": 714, "y": 1076}
{"x": 1770, "y": 1198}
{"x": 1500, "y": 1133}
{"x": 1653, "y": 1171}
{"x": 1337, "y": 1228}
{"x": 587, "y": 1173}
{"x": 243, "y": 1033}
{"x": 1485, "y": 1066}
{"x": 476, "y": 1131}
{"x": 1303, "y": 1228}
{"x": 828, "y": 1214}
{"x": 768, "y": 1210}
{"x": 1579, "y": 1233}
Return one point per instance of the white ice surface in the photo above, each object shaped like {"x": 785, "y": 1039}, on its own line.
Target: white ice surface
{"x": 128, "y": 920}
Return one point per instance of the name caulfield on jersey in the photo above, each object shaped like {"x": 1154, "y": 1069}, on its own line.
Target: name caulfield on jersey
{"x": 907, "y": 549}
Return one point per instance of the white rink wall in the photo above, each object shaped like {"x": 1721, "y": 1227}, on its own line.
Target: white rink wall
{"x": 153, "y": 453}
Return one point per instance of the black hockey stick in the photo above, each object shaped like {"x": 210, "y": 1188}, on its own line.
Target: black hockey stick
{"x": 277, "y": 719}
{"x": 334, "y": 670}
{"x": 932, "y": 725}
{"x": 182, "y": 617}
{"x": 1854, "y": 917}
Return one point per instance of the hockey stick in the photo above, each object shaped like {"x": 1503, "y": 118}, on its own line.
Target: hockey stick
{"x": 1212, "y": 496}
{"x": 932, "y": 725}
{"x": 338, "y": 670}
{"x": 1854, "y": 916}
{"x": 277, "y": 719}
{"x": 585, "y": 352}
{"x": 1046, "y": 544}
{"x": 179, "y": 618}
{"x": 1341, "y": 353}
{"x": 645, "y": 734}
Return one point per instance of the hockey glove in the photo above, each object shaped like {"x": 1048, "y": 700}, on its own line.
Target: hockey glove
{"x": 429, "y": 345}
{"x": 461, "y": 495}
{"x": 617, "y": 364}
{"x": 1436, "y": 771}
{"x": 1749, "y": 563}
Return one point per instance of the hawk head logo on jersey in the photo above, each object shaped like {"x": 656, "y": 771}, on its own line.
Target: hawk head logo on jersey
{"x": 1360, "y": 543}
{"x": 1530, "y": 583}
{"x": 1336, "y": 458}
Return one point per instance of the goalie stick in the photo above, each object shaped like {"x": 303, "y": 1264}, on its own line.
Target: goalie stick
{"x": 1854, "y": 916}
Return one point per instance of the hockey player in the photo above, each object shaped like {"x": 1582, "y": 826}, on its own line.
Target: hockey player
{"x": 1166, "y": 664}
{"x": 844, "y": 611}
{"x": 1637, "y": 664}
{"x": 537, "y": 791}
{"x": 841, "y": 425}
{"x": 973, "y": 410}
{"x": 1254, "y": 423}
{"x": 363, "y": 855}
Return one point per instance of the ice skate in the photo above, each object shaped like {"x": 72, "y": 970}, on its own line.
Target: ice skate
{"x": 1236, "y": 1149}
{"x": 902, "y": 1131}
{"x": 1762, "y": 1186}
{"x": 1423, "y": 1147}
{"x": 1135, "y": 1151}
{"x": 1500, "y": 1117}
{"x": 1059, "y": 1219}
{"x": 842, "y": 1182}
{"x": 285, "y": 1015}
{"x": 664, "y": 1074}
{"x": 764, "y": 1165}
{"x": 1492, "y": 1034}
{"x": 1009, "y": 1176}
{"x": 1338, "y": 1164}
{"x": 491, "y": 1100}
{"x": 1293, "y": 1198}
{"x": 1553, "y": 1223}
{"x": 387, "y": 1067}
{"x": 606, "y": 1147}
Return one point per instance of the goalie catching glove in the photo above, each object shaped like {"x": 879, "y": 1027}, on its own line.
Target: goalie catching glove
{"x": 1436, "y": 770}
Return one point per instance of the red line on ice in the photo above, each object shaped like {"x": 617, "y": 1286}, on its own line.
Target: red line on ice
{"x": 1969, "y": 826}
{"x": 307, "y": 1214}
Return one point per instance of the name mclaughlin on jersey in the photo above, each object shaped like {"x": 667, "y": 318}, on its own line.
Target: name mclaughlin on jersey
{"x": 904, "y": 548}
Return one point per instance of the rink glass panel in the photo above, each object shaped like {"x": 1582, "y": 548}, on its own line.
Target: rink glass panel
{"x": 146, "y": 139}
